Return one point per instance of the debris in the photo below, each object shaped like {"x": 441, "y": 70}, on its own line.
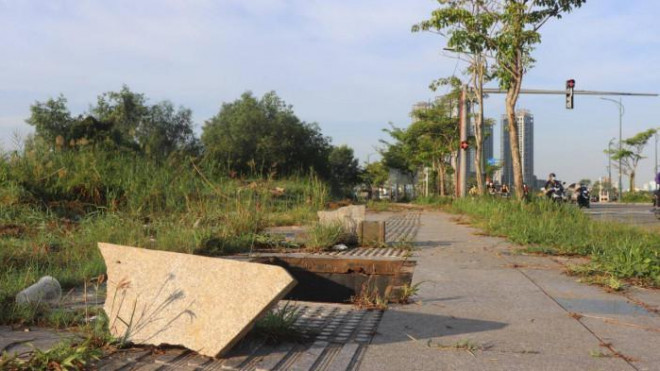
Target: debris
{"x": 46, "y": 290}
{"x": 340, "y": 247}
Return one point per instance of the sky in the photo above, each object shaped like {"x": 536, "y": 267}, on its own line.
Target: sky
{"x": 352, "y": 66}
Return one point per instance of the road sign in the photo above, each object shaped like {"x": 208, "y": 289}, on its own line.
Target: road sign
{"x": 464, "y": 144}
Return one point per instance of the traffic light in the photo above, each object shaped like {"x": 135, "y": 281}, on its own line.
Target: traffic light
{"x": 570, "y": 84}
{"x": 464, "y": 144}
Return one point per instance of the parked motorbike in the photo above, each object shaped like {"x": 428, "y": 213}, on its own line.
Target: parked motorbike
{"x": 583, "y": 197}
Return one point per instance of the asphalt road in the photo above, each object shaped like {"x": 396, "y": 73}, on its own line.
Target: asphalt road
{"x": 636, "y": 214}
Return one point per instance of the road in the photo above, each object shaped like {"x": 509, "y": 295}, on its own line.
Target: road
{"x": 636, "y": 214}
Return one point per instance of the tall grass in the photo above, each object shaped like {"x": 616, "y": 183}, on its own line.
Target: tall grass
{"x": 619, "y": 250}
{"x": 56, "y": 205}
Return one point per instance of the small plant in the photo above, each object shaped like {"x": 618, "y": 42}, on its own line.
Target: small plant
{"x": 408, "y": 291}
{"x": 599, "y": 354}
{"x": 278, "y": 325}
{"x": 66, "y": 355}
{"x": 369, "y": 297}
{"x": 464, "y": 344}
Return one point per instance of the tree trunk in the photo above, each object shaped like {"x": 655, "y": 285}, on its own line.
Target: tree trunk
{"x": 441, "y": 178}
{"x": 511, "y": 99}
{"x": 512, "y": 94}
{"x": 632, "y": 181}
{"x": 477, "y": 84}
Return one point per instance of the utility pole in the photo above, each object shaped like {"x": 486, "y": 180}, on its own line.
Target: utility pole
{"x": 609, "y": 160}
{"x": 462, "y": 152}
{"x": 621, "y": 110}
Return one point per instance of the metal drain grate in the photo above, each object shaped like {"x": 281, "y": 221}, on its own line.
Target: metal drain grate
{"x": 338, "y": 337}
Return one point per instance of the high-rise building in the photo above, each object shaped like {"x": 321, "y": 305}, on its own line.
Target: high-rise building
{"x": 525, "y": 123}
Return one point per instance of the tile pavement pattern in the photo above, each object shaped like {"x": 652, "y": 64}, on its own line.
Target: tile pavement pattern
{"x": 337, "y": 334}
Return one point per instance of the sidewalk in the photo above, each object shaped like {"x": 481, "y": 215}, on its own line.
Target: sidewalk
{"x": 509, "y": 312}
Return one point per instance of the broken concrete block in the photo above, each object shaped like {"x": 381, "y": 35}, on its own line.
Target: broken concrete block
{"x": 349, "y": 216}
{"x": 204, "y": 304}
{"x": 46, "y": 290}
{"x": 372, "y": 233}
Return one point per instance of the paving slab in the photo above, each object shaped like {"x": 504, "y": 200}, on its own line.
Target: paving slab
{"x": 482, "y": 306}
{"x": 24, "y": 340}
{"x": 204, "y": 304}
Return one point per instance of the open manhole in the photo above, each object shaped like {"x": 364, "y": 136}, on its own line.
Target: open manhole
{"x": 336, "y": 279}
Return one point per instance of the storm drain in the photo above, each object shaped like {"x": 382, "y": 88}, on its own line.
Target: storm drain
{"x": 338, "y": 336}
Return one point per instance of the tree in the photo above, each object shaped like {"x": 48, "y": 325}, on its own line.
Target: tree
{"x": 631, "y": 153}
{"x": 467, "y": 24}
{"x": 264, "y": 135}
{"x": 431, "y": 140}
{"x": 344, "y": 169}
{"x": 512, "y": 45}
{"x": 375, "y": 174}
{"x": 51, "y": 119}
{"x": 505, "y": 31}
{"x": 164, "y": 131}
{"x": 125, "y": 109}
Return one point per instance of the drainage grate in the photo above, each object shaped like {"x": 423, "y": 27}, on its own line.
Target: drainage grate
{"x": 338, "y": 337}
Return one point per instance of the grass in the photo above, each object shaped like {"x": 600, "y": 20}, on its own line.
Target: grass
{"x": 324, "y": 236}
{"x": 56, "y": 205}
{"x": 638, "y": 197}
{"x": 616, "y": 250}
{"x": 278, "y": 325}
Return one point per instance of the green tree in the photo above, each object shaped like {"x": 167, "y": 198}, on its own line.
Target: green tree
{"x": 125, "y": 109}
{"x": 512, "y": 44}
{"x": 375, "y": 174}
{"x": 505, "y": 31}
{"x": 344, "y": 169}
{"x": 430, "y": 141}
{"x": 166, "y": 130}
{"x": 631, "y": 153}
{"x": 264, "y": 135}
{"x": 466, "y": 25}
{"x": 51, "y": 119}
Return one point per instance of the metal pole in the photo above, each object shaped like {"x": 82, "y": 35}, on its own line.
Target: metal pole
{"x": 656, "y": 156}
{"x": 462, "y": 162}
{"x": 620, "y": 135}
{"x": 609, "y": 158}
{"x": 621, "y": 110}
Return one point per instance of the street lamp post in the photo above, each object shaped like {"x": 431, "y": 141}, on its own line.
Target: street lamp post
{"x": 621, "y": 111}
{"x": 609, "y": 158}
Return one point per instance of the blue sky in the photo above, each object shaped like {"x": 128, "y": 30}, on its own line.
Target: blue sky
{"x": 352, "y": 66}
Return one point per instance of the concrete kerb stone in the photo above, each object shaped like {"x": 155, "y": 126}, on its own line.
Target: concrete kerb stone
{"x": 204, "y": 304}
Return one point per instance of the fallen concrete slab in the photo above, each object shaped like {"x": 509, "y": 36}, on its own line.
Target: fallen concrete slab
{"x": 204, "y": 304}
{"x": 349, "y": 217}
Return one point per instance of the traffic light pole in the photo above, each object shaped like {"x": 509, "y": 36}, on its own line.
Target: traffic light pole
{"x": 584, "y": 92}
{"x": 462, "y": 152}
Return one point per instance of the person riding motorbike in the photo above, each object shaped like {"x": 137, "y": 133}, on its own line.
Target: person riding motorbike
{"x": 552, "y": 184}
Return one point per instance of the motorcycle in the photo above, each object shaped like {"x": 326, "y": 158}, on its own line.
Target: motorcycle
{"x": 583, "y": 197}
{"x": 656, "y": 204}
{"x": 556, "y": 192}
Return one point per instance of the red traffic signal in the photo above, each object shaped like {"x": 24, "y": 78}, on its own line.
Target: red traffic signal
{"x": 464, "y": 144}
{"x": 570, "y": 83}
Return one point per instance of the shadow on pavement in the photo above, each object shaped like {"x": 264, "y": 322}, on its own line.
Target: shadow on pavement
{"x": 397, "y": 326}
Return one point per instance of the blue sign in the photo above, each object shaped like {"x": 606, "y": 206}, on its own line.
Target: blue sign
{"x": 492, "y": 161}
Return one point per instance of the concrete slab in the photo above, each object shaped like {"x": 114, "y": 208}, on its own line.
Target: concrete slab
{"x": 204, "y": 304}
{"x": 480, "y": 306}
{"x": 26, "y": 340}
